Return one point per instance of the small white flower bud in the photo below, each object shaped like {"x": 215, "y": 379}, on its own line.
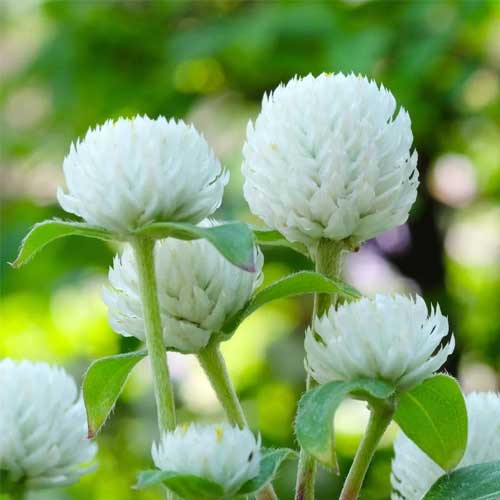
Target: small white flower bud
{"x": 198, "y": 290}
{"x": 391, "y": 338}
{"x": 131, "y": 172}
{"x": 329, "y": 157}
{"x": 43, "y": 426}
{"x": 413, "y": 472}
{"x": 221, "y": 453}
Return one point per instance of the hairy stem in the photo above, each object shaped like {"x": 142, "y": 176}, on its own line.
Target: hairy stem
{"x": 380, "y": 418}
{"x": 164, "y": 395}
{"x": 328, "y": 257}
{"x": 212, "y": 362}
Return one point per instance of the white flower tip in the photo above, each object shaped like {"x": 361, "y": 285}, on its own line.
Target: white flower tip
{"x": 318, "y": 181}
{"x": 392, "y": 338}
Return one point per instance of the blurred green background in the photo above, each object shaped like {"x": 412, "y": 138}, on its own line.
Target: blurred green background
{"x": 67, "y": 65}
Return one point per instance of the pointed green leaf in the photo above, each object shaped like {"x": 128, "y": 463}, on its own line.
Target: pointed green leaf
{"x": 270, "y": 237}
{"x": 299, "y": 283}
{"x": 270, "y": 462}
{"x": 103, "y": 384}
{"x": 315, "y": 415}
{"x": 433, "y": 415}
{"x": 43, "y": 233}
{"x": 476, "y": 482}
{"x": 186, "y": 486}
{"x": 234, "y": 240}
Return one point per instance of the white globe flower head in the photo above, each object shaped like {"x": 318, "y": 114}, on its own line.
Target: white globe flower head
{"x": 198, "y": 290}
{"x": 43, "y": 442}
{"x": 329, "y": 157}
{"x": 221, "y": 453}
{"x": 131, "y": 172}
{"x": 413, "y": 472}
{"x": 391, "y": 338}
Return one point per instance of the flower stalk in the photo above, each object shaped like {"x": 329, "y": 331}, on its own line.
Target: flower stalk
{"x": 164, "y": 396}
{"x": 380, "y": 418}
{"x": 328, "y": 257}
{"x": 214, "y": 366}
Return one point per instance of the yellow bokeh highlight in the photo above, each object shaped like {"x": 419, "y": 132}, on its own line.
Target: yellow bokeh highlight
{"x": 72, "y": 324}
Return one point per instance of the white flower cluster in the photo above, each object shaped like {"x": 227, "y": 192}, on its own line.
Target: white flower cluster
{"x": 43, "y": 426}
{"x": 329, "y": 157}
{"x": 389, "y": 338}
{"x": 413, "y": 472}
{"x": 128, "y": 173}
{"x": 221, "y": 453}
{"x": 198, "y": 290}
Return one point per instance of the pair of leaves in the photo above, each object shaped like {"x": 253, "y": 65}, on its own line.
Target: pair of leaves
{"x": 234, "y": 240}
{"x": 197, "y": 488}
{"x": 476, "y": 482}
{"x": 433, "y": 415}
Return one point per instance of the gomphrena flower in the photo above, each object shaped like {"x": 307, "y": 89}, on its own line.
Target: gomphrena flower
{"x": 329, "y": 157}
{"x": 221, "y": 453}
{"x": 44, "y": 427}
{"x": 132, "y": 172}
{"x": 392, "y": 338}
{"x": 198, "y": 290}
{"x": 413, "y": 472}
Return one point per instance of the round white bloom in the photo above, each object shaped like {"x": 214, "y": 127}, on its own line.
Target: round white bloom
{"x": 392, "y": 338}
{"x": 221, "y": 453}
{"x": 413, "y": 472}
{"x": 198, "y": 290}
{"x": 43, "y": 425}
{"x": 126, "y": 174}
{"x": 328, "y": 157}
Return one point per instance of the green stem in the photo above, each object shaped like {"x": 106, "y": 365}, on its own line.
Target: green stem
{"x": 380, "y": 418}
{"x": 212, "y": 362}
{"x": 164, "y": 395}
{"x": 328, "y": 257}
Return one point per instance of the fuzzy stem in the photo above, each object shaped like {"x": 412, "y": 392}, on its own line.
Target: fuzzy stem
{"x": 380, "y": 418}
{"x": 212, "y": 362}
{"x": 328, "y": 257}
{"x": 164, "y": 395}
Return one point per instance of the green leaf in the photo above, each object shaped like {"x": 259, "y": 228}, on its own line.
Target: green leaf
{"x": 186, "y": 486}
{"x": 433, "y": 415}
{"x": 476, "y": 482}
{"x": 234, "y": 240}
{"x": 103, "y": 384}
{"x": 270, "y": 462}
{"x": 295, "y": 284}
{"x": 43, "y": 233}
{"x": 315, "y": 415}
{"x": 270, "y": 237}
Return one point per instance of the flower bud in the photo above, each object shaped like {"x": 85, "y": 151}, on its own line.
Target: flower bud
{"x": 198, "y": 290}
{"x": 391, "y": 338}
{"x": 43, "y": 426}
{"x": 132, "y": 172}
{"x": 330, "y": 157}
{"x": 221, "y": 453}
